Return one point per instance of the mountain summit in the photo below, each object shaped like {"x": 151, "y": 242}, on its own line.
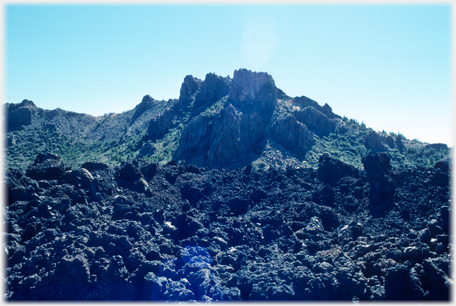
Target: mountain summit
{"x": 216, "y": 122}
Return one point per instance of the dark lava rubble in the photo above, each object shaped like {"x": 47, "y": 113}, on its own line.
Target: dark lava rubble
{"x": 143, "y": 231}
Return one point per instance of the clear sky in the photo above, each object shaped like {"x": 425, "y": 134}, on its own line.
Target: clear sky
{"x": 386, "y": 65}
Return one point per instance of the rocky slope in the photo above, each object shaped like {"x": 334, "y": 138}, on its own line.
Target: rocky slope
{"x": 218, "y": 122}
{"x": 144, "y": 231}
{"x": 233, "y": 192}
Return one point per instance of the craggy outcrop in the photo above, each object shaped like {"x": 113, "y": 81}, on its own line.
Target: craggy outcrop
{"x": 19, "y": 115}
{"x": 374, "y": 142}
{"x": 331, "y": 170}
{"x": 226, "y": 137}
{"x": 304, "y": 102}
{"x": 146, "y": 103}
{"x": 195, "y": 141}
{"x": 160, "y": 125}
{"x": 292, "y": 135}
{"x": 212, "y": 89}
{"x": 224, "y": 122}
{"x": 315, "y": 120}
{"x": 188, "y": 91}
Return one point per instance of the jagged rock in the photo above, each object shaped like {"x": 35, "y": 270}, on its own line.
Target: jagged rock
{"x": 80, "y": 177}
{"x": 227, "y": 145}
{"x": 239, "y": 126}
{"x": 379, "y": 176}
{"x": 374, "y": 142}
{"x": 188, "y": 91}
{"x": 315, "y": 120}
{"x": 46, "y": 166}
{"x": 235, "y": 230}
{"x": 146, "y": 103}
{"x": 219, "y": 235}
{"x": 20, "y": 115}
{"x": 195, "y": 141}
{"x": 293, "y": 135}
{"x": 212, "y": 89}
{"x": 129, "y": 172}
{"x": 325, "y": 196}
{"x": 331, "y": 170}
{"x": 304, "y": 102}
{"x": 254, "y": 89}
{"x": 149, "y": 170}
{"x": 160, "y": 125}
{"x": 94, "y": 166}
{"x": 402, "y": 284}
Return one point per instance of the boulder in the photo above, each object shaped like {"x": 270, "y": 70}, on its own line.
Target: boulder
{"x": 94, "y": 166}
{"x": 379, "y": 176}
{"x": 128, "y": 172}
{"x": 47, "y": 166}
{"x": 331, "y": 170}
{"x": 80, "y": 177}
{"x": 146, "y": 103}
{"x": 402, "y": 284}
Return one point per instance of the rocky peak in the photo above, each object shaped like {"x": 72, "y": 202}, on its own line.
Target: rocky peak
{"x": 146, "y": 102}
{"x": 248, "y": 86}
{"x": 189, "y": 88}
{"x": 26, "y": 102}
{"x": 20, "y": 114}
{"x": 146, "y": 99}
{"x": 212, "y": 89}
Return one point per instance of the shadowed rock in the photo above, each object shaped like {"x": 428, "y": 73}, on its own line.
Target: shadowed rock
{"x": 331, "y": 170}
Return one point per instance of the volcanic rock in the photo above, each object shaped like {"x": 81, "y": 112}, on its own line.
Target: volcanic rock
{"x": 198, "y": 234}
{"x": 292, "y": 134}
{"x": 315, "y": 120}
{"x": 47, "y": 166}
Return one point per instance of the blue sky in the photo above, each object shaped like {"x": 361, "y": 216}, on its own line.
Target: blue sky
{"x": 386, "y": 65}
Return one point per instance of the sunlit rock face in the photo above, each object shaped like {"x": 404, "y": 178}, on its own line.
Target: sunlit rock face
{"x": 229, "y": 135}
{"x": 254, "y": 87}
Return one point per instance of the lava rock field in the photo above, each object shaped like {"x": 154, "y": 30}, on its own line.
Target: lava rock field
{"x": 144, "y": 231}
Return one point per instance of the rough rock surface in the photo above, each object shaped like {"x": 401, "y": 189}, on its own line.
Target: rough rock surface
{"x": 143, "y": 231}
{"x": 20, "y": 115}
{"x": 226, "y": 137}
{"x": 212, "y": 89}
{"x": 375, "y": 143}
{"x": 292, "y": 134}
{"x": 315, "y": 120}
{"x": 160, "y": 125}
